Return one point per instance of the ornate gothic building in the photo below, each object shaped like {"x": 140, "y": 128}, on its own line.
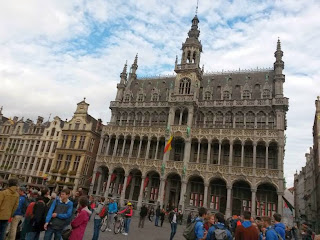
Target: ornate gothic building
{"x": 228, "y": 137}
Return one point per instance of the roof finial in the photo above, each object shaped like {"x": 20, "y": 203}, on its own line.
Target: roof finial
{"x": 49, "y": 117}
{"x": 84, "y": 99}
{"x": 197, "y": 7}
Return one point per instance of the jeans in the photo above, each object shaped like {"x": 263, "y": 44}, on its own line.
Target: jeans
{"x": 3, "y": 227}
{"x": 33, "y": 236}
{"x": 173, "y": 230}
{"x": 156, "y": 221}
{"x": 50, "y": 232}
{"x": 141, "y": 222}
{"x": 96, "y": 229}
{"x": 127, "y": 222}
{"x": 110, "y": 219}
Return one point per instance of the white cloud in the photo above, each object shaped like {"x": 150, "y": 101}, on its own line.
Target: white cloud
{"x": 54, "y": 53}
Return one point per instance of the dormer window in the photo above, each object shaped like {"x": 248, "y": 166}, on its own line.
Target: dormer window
{"x": 246, "y": 94}
{"x": 127, "y": 98}
{"x": 207, "y": 96}
{"x": 140, "y": 98}
{"x": 266, "y": 94}
{"x": 226, "y": 95}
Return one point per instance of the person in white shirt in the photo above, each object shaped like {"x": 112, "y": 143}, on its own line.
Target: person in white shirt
{"x": 173, "y": 222}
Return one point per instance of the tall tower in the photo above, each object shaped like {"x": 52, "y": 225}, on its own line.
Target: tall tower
{"x": 122, "y": 85}
{"x": 278, "y": 68}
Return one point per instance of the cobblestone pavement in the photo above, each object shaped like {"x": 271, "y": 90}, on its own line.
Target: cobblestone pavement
{"x": 149, "y": 232}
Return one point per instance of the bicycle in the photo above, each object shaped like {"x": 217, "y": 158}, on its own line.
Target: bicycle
{"x": 104, "y": 224}
{"x": 118, "y": 224}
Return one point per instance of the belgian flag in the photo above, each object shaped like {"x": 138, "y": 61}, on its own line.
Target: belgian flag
{"x": 168, "y": 145}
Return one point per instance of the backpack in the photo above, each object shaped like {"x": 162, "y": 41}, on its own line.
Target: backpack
{"x": 189, "y": 233}
{"x": 219, "y": 233}
{"x": 103, "y": 212}
{"x": 278, "y": 235}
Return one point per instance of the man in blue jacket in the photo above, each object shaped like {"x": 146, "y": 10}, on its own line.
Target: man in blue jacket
{"x": 271, "y": 234}
{"x": 279, "y": 226}
{"x": 219, "y": 224}
{"x": 19, "y": 213}
{"x": 200, "y": 232}
{"x": 59, "y": 216}
{"x": 112, "y": 209}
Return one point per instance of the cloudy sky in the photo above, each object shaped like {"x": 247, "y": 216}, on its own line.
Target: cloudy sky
{"x": 54, "y": 53}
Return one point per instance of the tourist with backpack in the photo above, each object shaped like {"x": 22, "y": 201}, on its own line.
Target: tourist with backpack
{"x": 97, "y": 219}
{"x": 173, "y": 217}
{"x": 246, "y": 231}
{"x": 199, "y": 230}
{"x": 112, "y": 210}
{"x": 279, "y": 227}
{"x": 59, "y": 216}
{"x": 218, "y": 231}
{"x": 36, "y": 218}
{"x": 9, "y": 202}
{"x": 18, "y": 214}
{"x": 270, "y": 233}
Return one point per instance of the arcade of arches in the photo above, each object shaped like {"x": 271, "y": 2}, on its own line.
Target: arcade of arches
{"x": 171, "y": 191}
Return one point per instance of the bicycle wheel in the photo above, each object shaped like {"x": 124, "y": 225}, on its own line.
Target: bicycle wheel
{"x": 117, "y": 227}
{"x": 104, "y": 225}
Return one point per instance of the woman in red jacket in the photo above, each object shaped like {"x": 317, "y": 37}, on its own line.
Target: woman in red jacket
{"x": 128, "y": 214}
{"x": 80, "y": 222}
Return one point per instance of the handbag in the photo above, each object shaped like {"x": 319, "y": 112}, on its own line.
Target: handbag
{"x": 66, "y": 234}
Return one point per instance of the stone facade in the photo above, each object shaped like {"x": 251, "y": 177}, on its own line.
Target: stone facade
{"x": 27, "y": 149}
{"x": 76, "y": 152}
{"x": 228, "y": 137}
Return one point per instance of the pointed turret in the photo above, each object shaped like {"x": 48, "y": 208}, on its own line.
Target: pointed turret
{"x": 278, "y": 68}
{"x": 123, "y": 82}
{"x": 123, "y": 75}
{"x": 134, "y": 66}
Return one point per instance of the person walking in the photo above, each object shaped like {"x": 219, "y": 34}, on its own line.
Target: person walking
{"x": 35, "y": 219}
{"x": 279, "y": 226}
{"x": 80, "y": 222}
{"x": 143, "y": 214}
{"x": 270, "y": 233}
{"x": 246, "y": 231}
{"x": 162, "y": 216}
{"x": 218, "y": 230}
{"x": 173, "y": 217}
{"x": 97, "y": 219}
{"x": 112, "y": 209}
{"x": 128, "y": 211}
{"x": 156, "y": 222}
{"x": 18, "y": 214}
{"x": 200, "y": 232}
{"x": 59, "y": 216}
{"x": 151, "y": 214}
{"x": 9, "y": 202}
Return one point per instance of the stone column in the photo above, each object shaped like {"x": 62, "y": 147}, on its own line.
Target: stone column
{"x": 219, "y": 155}
{"x": 230, "y": 154}
{"x": 205, "y": 199}
{"x": 133, "y": 183}
{"x": 131, "y": 147}
{"x": 106, "y": 193}
{"x": 161, "y": 192}
{"x": 180, "y": 119}
{"x": 182, "y": 194}
{"x": 93, "y": 180}
{"x": 99, "y": 184}
{"x": 100, "y": 145}
{"x": 254, "y": 155}
{"x": 267, "y": 156}
{"x": 242, "y": 154}
{"x": 209, "y": 152}
{"x": 253, "y": 202}
{"x": 228, "y": 209}
{"x": 148, "y": 149}
{"x": 123, "y": 192}
{"x": 280, "y": 203}
{"x": 138, "y": 156}
{"x": 198, "y": 154}
{"x": 190, "y": 117}
{"x": 156, "y": 155}
{"x": 115, "y": 146}
{"x": 187, "y": 149}
{"x": 123, "y": 146}
{"x": 280, "y": 158}
{"x": 139, "y": 205}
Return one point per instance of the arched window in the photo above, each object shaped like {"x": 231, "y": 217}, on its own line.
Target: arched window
{"x": 155, "y": 97}
{"x": 181, "y": 87}
{"x": 163, "y": 118}
{"x": 271, "y": 121}
{"x": 146, "y": 121}
{"x": 229, "y": 120}
{"x": 139, "y": 119}
{"x": 219, "y": 120}
{"x": 131, "y": 119}
{"x": 140, "y": 97}
{"x": 194, "y": 57}
{"x": 53, "y": 132}
{"x": 189, "y": 57}
{"x": 266, "y": 94}
{"x": 207, "y": 96}
{"x": 226, "y": 95}
{"x": 154, "y": 119}
{"x": 250, "y": 117}
{"x": 261, "y": 120}
{"x": 127, "y": 98}
{"x": 185, "y": 85}
{"x": 246, "y": 94}
{"x": 124, "y": 119}
{"x": 239, "y": 120}
{"x": 209, "y": 119}
{"x": 200, "y": 119}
